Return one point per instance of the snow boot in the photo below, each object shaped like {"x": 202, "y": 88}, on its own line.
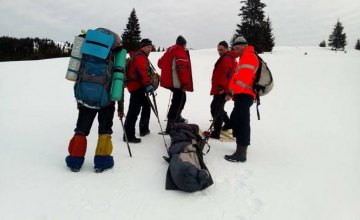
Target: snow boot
{"x": 215, "y": 135}
{"x": 144, "y": 133}
{"x": 180, "y": 119}
{"x": 77, "y": 150}
{"x": 169, "y": 125}
{"x": 103, "y": 159}
{"x": 133, "y": 140}
{"x": 144, "y": 128}
{"x": 238, "y": 156}
{"x": 226, "y": 127}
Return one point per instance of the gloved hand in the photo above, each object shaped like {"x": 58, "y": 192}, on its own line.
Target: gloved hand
{"x": 184, "y": 87}
{"x": 149, "y": 89}
{"x": 229, "y": 96}
{"x": 220, "y": 90}
{"x": 121, "y": 115}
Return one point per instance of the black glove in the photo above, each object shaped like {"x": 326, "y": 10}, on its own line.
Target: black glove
{"x": 149, "y": 89}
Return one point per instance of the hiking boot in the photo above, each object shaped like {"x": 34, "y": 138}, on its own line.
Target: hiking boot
{"x": 134, "y": 140}
{"x": 226, "y": 127}
{"x": 238, "y": 156}
{"x": 144, "y": 133}
{"x": 181, "y": 120}
{"x": 215, "y": 135}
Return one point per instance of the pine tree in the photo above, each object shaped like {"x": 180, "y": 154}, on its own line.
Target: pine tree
{"x": 337, "y": 40}
{"x": 131, "y": 36}
{"x": 268, "y": 36}
{"x": 153, "y": 48}
{"x": 253, "y": 27}
{"x": 322, "y": 44}
{"x": 357, "y": 46}
{"x": 158, "y": 50}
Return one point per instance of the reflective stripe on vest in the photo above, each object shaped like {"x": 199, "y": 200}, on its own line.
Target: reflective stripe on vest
{"x": 243, "y": 66}
{"x": 185, "y": 60}
{"x": 242, "y": 84}
{"x": 248, "y": 66}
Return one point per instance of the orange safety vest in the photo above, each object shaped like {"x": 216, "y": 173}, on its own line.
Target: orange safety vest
{"x": 245, "y": 74}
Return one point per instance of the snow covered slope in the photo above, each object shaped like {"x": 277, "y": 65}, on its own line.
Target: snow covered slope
{"x": 303, "y": 162}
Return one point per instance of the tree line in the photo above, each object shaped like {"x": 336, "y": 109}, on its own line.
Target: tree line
{"x": 14, "y": 49}
{"x": 337, "y": 39}
{"x": 254, "y": 26}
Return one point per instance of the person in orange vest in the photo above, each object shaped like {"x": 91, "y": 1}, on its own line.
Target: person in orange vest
{"x": 224, "y": 68}
{"x": 241, "y": 91}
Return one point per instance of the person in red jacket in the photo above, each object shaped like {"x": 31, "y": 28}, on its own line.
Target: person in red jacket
{"x": 176, "y": 76}
{"x": 223, "y": 71}
{"x": 138, "y": 85}
{"x": 241, "y": 91}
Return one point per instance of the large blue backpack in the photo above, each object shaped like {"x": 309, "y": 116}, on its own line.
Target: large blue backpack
{"x": 93, "y": 84}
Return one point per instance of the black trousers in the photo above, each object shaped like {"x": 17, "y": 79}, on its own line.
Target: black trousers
{"x": 240, "y": 118}
{"x": 177, "y": 104}
{"x": 138, "y": 102}
{"x": 218, "y": 113}
{"x": 86, "y": 118}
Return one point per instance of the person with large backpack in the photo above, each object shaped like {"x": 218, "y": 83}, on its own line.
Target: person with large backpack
{"x": 242, "y": 92}
{"x": 176, "y": 75}
{"x": 139, "y": 85}
{"x": 93, "y": 87}
{"x": 223, "y": 71}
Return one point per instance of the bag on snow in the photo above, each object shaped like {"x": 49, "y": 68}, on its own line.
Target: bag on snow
{"x": 263, "y": 83}
{"x": 187, "y": 170}
{"x": 92, "y": 87}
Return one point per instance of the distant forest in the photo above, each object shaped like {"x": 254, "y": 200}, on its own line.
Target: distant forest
{"x": 14, "y": 49}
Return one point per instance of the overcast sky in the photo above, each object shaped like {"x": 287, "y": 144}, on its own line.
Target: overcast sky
{"x": 202, "y": 22}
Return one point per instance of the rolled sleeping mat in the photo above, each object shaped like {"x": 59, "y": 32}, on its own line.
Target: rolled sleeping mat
{"x": 75, "y": 59}
{"x": 116, "y": 91}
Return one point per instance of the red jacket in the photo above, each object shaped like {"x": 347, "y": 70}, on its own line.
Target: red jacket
{"x": 223, "y": 71}
{"x": 137, "y": 73}
{"x": 243, "y": 79}
{"x": 175, "y": 68}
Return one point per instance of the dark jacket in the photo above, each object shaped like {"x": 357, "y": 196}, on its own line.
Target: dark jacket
{"x": 223, "y": 71}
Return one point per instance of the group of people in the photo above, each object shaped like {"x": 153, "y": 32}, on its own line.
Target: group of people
{"x": 231, "y": 80}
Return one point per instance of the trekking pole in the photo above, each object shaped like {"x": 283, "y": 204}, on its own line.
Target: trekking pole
{"x": 152, "y": 66}
{"x": 126, "y": 138}
{"x": 168, "y": 107}
{"x": 155, "y": 110}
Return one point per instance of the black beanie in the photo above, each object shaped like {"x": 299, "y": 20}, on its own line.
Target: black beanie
{"x": 145, "y": 42}
{"x": 180, "y": 40}
{"x": 223, "y": 43}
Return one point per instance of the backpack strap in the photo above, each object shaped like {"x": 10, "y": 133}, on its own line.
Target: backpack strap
{"x": 256, "y": 87}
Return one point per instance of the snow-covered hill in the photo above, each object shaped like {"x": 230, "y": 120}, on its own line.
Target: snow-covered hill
{"x": 303, "y": 162}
